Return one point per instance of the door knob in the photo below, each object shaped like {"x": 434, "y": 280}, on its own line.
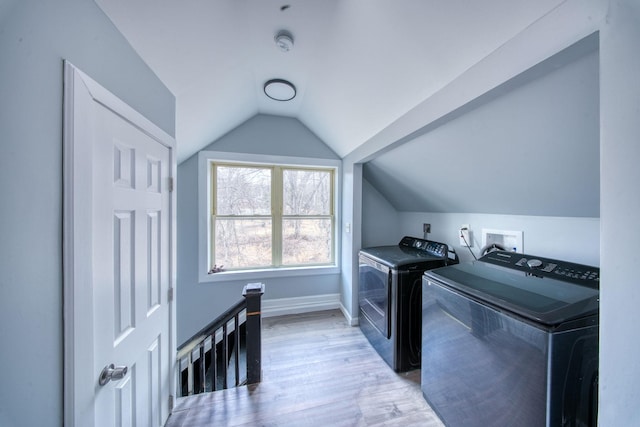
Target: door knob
{"x": 112, "y": 372}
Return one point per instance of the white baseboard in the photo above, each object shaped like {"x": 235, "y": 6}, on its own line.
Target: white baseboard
{"x": 297, "y": 305}
{"x": 352, "y": 321}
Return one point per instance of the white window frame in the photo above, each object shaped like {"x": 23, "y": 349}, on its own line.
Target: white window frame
{"x": 205, "y": 159}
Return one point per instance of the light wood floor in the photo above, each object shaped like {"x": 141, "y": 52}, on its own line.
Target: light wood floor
{"x": 317, "y": 371}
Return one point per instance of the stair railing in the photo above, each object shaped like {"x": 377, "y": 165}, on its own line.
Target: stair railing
{"x": 233, "y": 339}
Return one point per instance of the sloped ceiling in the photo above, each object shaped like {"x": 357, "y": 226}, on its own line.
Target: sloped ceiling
{"x": 530, "y": 147}
{"x": 357, "y": 65}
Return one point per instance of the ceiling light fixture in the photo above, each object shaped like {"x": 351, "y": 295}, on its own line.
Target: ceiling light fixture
{"x": 284, "y": 40}
{"x": 280, "y": 90}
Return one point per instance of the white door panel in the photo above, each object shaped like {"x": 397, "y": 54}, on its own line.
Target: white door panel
{"x": 130, "y": 259}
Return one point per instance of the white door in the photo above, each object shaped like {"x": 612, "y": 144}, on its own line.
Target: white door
{"x": 122, "y": 262}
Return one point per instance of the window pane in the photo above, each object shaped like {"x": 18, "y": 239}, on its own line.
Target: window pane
{"x": 306, "y": 192}
{"x": 306, "y": 241}
{"x": 242, "y": 243}
{"x": 243, "y": 191}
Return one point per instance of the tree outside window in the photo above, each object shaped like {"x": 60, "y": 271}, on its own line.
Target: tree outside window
{"x": 272, "y": 216}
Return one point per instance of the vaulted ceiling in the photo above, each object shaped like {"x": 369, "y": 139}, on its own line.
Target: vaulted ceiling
{"x": 357, "y": 65}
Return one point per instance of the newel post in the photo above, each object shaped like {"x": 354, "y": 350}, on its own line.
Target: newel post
{"x": 253, "y": 294}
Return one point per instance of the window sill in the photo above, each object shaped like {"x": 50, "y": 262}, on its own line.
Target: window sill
{"x": 268, "y": 273}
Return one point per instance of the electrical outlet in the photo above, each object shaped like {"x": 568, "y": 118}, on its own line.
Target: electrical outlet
{"x": 426, "y": 228}
{"x": 466, "y": 232}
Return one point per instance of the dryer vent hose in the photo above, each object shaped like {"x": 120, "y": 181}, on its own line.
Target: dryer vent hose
{"x": 491, "y": 247}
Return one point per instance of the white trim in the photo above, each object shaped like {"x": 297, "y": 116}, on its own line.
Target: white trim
{"x": 352, "y": 321}
{"x": 227, "y": 276}
{"x": 78, "y": 410}
{"x": 204, "y": 231}
{"x": 308, "y": 304}
{"x": 80, "y": 94}
{"x": 297, "y": 305}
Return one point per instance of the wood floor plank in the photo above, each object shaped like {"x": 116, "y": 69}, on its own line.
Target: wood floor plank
{"x": 317, "y": 371}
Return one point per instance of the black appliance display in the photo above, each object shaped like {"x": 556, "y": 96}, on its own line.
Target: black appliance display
{"x": 390, "y": 296}
{"x": 511, "y": 340}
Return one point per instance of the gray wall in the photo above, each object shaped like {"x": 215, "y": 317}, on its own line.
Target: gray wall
{"x": 565, "y": 238}
{"x": 200, "y": 303}
{"x": 35, "y": 37}
{"x": 380, "y": 219}
{"x": 575, "y": 239}
{"x": 532, "y": 150}
{"x": 619, "y": 211}
{"x": 352, "y": 208}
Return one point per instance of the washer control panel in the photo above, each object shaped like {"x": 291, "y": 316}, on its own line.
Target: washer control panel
{"x": 544, "y": 267}
{"x": 432, "y": 248}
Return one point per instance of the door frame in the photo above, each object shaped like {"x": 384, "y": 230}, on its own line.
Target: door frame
{"x": 80, "y": 93}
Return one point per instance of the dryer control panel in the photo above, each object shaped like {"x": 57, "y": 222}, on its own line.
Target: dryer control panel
{"x": 432, "y": 248}
{"x": 545, "y": 267}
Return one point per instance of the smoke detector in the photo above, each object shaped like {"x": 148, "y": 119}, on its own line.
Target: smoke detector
{"x": 284, "y": 40}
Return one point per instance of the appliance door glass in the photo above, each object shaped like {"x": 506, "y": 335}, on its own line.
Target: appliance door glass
{"x": 375, "y": 294}
{"x": 481, "y": 367}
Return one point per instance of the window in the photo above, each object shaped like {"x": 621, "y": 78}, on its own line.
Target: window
{"x": 270, "y": 217}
